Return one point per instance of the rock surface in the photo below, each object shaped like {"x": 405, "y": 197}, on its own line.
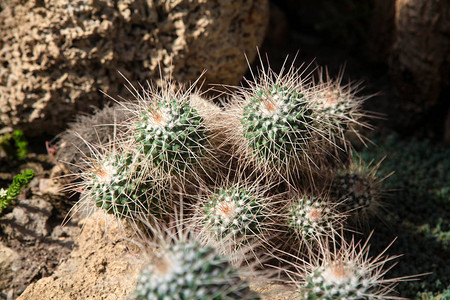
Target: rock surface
{"x": 55, "y": 56}
{"x": 419, "y": 62}
{"x": 7, "y": 258}
{"x": 101, "y": 266}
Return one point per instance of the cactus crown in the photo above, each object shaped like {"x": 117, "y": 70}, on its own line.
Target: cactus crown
{"x": 188, "y": 271}
{"x": 171, "y": 133}
{"x": 337, "y": 280}
{"x": 234, "y": 210}
{"x": 276, "y": 122}
{"x": 358, "y": 186}
{"x": 111, "y": 186}
{"x": 310, "y": 217}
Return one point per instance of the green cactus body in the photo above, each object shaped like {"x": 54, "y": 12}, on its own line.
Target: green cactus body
{"x": 338, "y": 109}
{"x": 277, "y": 123}
{"x": 356, "y": 189}
{"x": 309, "y": 217}
{"x": 116, "y": 186}
{"x": 333, "y": 105}
{"x": 337, "y": 280}
{"x": 188, "y": 271}
{"x": 234, "y": 210}
{"x": 172, "y": 134}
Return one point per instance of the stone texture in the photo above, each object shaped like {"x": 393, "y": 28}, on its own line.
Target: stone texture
{"x": 420, "y": 61}
{"x": 55, "y": 56}
{"x": 7, "y": 258}
{"x": 29, "y": 220}
{"x": 101, "y": 266}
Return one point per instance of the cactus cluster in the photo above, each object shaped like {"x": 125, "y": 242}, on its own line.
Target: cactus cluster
{"x": 177, "y": 150}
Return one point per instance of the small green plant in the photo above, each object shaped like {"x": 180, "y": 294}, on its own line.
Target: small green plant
{"x": 14, "y": 145}
{"x": 20, "y": 182}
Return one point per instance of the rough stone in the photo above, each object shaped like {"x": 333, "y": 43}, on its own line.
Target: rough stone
{"x": 7, "y": 258}
{"x": 101, "y": 266}
{"x": 55, "y": 56}
{"x": 28, "y": 220}
{"x": 419, "y": 63}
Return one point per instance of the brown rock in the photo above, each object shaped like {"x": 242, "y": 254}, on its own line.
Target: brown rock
{"x": 7, "y": 258}
{"x": 28, "y": 220}
{"x": 55, "y": 56}
{"x": 100, "y": 266}
{"x": 420, "y": 60}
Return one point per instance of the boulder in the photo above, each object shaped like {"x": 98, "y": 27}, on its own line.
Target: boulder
{"x": 55, "y": 56}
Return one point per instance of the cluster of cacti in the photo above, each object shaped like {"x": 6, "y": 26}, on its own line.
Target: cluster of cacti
{"x": 282, "y": 129}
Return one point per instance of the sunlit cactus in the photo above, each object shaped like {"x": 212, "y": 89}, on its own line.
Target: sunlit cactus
{"x": 183, "y": 269}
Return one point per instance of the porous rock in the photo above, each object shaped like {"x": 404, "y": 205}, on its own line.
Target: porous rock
{"x": 99, "y": 267}
{"x": 7, "y": 258}
{"x": 55, "y": 56}
{"x": 28, "y": 220}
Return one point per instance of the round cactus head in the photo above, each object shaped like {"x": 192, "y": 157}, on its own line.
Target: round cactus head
{"x": 339, "y": 108}
{"x": 311, "y": 218}
{"x": 186, "y": 270}
{"x": 237, "y": 211}
{"x": 347, "y": 274}
{"x": 116, "y": 181}
{"x": 358, "y": 187}
{"x": 170, "y": 131}
{"x": 276, "y": 123}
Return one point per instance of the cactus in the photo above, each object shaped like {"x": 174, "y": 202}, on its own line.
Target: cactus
{"x": 275, "y": 123}
{"x": 358, "y": 187}
{"x": 186, "y": 270}
{"x": 236, "y": 210}
{"x": 275, "y": 130}
{"x": 170, "y": 132}
{"x": 117, "y": 181}
{"x": 339, "y": 107}
{"x": 311, "y": 218}
{"x": 347, "y": 274}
